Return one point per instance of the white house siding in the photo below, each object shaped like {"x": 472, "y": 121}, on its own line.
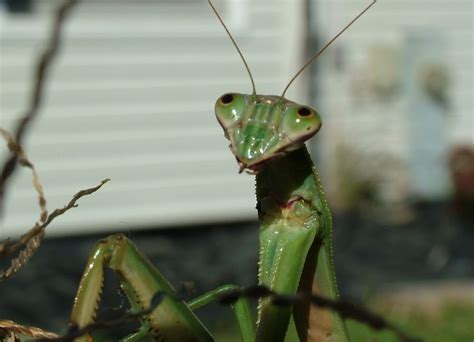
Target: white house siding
{"x": 400, "y": 137}
{"x": 131, "y": 98}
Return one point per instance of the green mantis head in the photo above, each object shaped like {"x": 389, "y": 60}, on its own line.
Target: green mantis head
{"x": 262, "y": 127}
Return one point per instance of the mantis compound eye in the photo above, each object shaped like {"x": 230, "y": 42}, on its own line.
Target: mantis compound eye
{"x": 229, "y": 109}
{"x": 300, "y": 123}
{"x": 304, "y": 112}
{"x": 226, "y": 99}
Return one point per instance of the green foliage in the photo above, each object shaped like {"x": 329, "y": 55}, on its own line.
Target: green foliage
{"x": 453, "y": 323}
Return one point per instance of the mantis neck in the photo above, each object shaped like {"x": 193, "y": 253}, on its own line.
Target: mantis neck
{"x": 295, "y": 246}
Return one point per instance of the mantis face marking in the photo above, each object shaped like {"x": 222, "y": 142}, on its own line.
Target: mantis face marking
{"x": 262, "y": 127}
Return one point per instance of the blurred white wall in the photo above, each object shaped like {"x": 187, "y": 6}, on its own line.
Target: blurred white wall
{"x": 131, "y": 98}
{"x": 371, "y": 93}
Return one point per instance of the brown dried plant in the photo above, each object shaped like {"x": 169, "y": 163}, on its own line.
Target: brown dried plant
{"x": 40, "y": 73}
{"x": 10, "y": 330}
{"x": 29, "y": 242}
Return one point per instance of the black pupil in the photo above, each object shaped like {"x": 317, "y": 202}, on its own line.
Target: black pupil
{"x": 303, "y": 111}
{"x": 227, "y": 98}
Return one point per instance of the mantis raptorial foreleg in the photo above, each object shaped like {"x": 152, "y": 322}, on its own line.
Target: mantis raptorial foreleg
{"x": 140, "y": 280}
{"x": 173, "y": 319}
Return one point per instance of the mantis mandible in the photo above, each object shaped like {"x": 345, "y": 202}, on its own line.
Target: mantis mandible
{"x": 267, "y": 135}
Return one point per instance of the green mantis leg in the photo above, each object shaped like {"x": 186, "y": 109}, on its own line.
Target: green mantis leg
{"x": 171, "y": 320}
{"x": 241, "y": 309}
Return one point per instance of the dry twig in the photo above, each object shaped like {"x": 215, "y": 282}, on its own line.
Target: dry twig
{"x": 33, "y": 237}
{"x": 23, "y": 160}
{"x": 344, "y": 308}
{"x": 9, "y": 330}
{"x": 40, "y": 74}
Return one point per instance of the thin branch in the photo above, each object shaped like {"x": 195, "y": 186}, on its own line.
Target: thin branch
{"x": 344, "y": 308}
{"x": 40, "y": 74}
{"x": 33, "y": 237}
{"x": 23, "y": 160}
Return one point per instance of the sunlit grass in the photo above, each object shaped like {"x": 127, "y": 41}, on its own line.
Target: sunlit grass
{"x": 454, "y": 322}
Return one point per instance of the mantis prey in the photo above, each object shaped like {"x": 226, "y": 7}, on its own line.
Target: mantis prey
{"x": 267, "y": 136}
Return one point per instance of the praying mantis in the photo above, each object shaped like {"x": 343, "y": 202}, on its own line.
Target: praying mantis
{"x": 267, "y": 135}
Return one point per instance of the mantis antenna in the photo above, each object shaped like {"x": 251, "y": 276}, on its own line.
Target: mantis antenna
{"x": 254, "y": 92}
{"x": 312, "y": 59}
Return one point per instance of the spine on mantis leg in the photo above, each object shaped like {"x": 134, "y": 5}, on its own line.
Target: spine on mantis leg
{"x": 295, "y": 248}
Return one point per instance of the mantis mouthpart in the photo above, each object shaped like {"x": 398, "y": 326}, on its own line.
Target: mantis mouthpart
{"x": 267, "y": 135}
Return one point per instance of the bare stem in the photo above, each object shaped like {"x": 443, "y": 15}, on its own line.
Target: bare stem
{"x": 344, "y": 308}
{"x": 40, "y": 73}
{"x": 32, "y": 239}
